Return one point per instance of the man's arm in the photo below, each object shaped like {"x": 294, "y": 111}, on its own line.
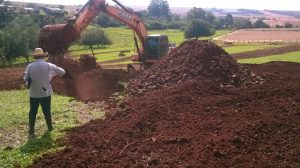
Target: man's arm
{"x": 57, "y": 70}
{"x": 26, "y": 77}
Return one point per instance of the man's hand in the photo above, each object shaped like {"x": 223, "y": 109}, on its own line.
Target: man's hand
{"x": 28, "y": 83}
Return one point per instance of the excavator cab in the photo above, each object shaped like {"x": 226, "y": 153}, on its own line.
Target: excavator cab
{"x": 157, "y": 46}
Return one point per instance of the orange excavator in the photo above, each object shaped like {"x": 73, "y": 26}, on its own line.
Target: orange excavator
{"x": 56, "y": 39}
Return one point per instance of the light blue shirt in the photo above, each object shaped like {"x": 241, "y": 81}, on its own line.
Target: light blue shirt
{"x": 41, "y": 74}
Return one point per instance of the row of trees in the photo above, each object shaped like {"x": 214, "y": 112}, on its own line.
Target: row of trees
{"x": 197, "y": 21}
{"x": 18, "y": 37}
{"x": 19, "y": 31}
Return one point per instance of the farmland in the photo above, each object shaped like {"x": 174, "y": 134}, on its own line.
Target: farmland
{"x": 288, "y": 57}
{"x": 141, "y": 123}
{"x": 165, "y": 115}
{"x": 263, "y": 36}
{"x": 227, "y": 95}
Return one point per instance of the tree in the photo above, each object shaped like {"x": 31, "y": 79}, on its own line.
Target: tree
{"x": 199, "y": 13}
{"x": 210, "y": 17}
{"x": 50, "y": 18}
{"x": 176, "y": 25}
{"x": 229, "y": 20}
{"x": 198, "y": 28}
{"x": 62, "y": 7}
{"x": 20, "y": 36}
{"x": 242, "y": 23}
{"x": 106, "y": 21}
{"x": 260, "y": 24}
{"x": 196, "y": 13}
{"x": 288, "y": 25}
{"x": 7, "y": 3}
{"x": 159, "y": 8}
{"x": 2, "y": 54}
{"x": 156, "y": 25}
{"x": 94, "y": 36}
{"x": 6, "y": 16}
{"x": 32, "y": 5}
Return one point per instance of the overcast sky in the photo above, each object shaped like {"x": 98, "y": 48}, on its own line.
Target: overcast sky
{"x": 229, "y": 4}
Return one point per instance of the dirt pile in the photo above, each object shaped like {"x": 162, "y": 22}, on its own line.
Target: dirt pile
{"x": 11, "y": 78}
{"x": 194, "y": 125}
{"x": 86, "y": 81}
{"x": 195, "y": 60}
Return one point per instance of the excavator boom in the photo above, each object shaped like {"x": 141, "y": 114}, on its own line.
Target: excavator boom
{"x": 55, "y": 39}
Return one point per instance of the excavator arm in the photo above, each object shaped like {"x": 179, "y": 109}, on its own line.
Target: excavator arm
{"x": 57, "y": 38}
{"x": 128, "y": 18}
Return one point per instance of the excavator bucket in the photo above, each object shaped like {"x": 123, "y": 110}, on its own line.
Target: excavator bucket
{"x": 55, "y": 39}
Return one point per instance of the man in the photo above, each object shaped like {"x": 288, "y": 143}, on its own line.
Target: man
{"x": 38, "y": 76}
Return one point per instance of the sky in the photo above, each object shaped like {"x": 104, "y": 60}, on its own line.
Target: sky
{"x": 227, "y": 4}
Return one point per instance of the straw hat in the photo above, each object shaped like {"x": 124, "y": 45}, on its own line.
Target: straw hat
{"x": 38, "y": 53}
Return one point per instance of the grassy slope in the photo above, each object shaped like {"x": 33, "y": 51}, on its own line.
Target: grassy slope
{"x": 288, "y": 57}
{"x": 14, "y": 107}
{"x": 239, "y": 48}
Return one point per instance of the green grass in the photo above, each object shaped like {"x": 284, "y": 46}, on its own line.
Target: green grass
{"x": 121, "y": 63}
{"x": 175, "y": 36}
{"x": 288, "y": 57}
{"x": 239, "y": 48}
{"x": 122, "y": 39}
{"x": 217, "y": 34}
{"x": 14, "y": 107}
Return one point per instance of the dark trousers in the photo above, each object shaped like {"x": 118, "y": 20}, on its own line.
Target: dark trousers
{"x": 46, "y": 107}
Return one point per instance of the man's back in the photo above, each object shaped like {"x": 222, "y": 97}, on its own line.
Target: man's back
{"x": 40, "y": 74}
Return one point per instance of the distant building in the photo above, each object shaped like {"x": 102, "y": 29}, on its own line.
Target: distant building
{"x": 29, "y": 9}
{"x": 53, "y": 9}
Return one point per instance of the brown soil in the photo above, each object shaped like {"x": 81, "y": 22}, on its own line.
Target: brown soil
{"x": 196, "y": 123}
{"x": 194, "y": 60}
{"x": 267, "y": 52}
{"x": 11, "y": 78}
{"x": 86, "y": 81}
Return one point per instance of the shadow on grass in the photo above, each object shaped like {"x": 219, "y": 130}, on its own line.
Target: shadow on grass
{"x": 38, "y": 145}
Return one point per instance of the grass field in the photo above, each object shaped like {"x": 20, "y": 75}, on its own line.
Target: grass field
{"x": 239, "y": 48}
{"x": 122, "y": 39}
{"x": 15, "y": 150}
{"x": 288, "y": 57}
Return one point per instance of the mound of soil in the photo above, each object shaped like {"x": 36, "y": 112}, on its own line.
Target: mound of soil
{"x": 11, "y": 78}
{"x": 194, "y": 60}
{"x": 86, "y": 81}
{"x": 195, "y": 124}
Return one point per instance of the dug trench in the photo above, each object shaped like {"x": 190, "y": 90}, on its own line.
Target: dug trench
{"x": 196, "y": 108}
{"x": 85, "y": 80}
